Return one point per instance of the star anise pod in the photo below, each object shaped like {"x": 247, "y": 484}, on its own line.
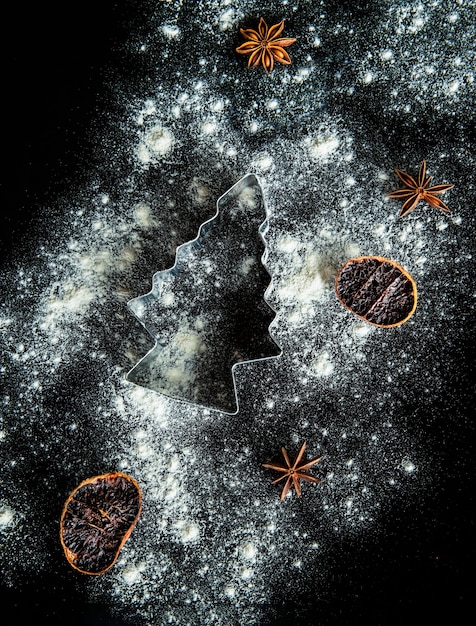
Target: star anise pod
{"x": 293, "y": 473}
{"x": 419, "y": 190}
{"x": 264, "y": 45}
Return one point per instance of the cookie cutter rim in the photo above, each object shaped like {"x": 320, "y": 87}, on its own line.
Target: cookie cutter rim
{"x": 248, "y": 180}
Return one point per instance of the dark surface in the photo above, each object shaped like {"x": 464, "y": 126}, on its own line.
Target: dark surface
{"x": 417, "y": 566}
{"x": 55, "y": 68}
{"x": 54, "y": 62}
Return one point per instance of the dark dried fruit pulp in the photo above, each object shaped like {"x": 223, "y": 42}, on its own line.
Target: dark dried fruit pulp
{"x": 378, "y": 290}
{"x": 97, "y": 519}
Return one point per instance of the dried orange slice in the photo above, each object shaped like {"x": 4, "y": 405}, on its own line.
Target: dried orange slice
{"x": 97, "y": 519}
{"x": 377, "y": 290}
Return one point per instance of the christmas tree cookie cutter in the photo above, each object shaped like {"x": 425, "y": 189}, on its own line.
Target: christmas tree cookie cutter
{"x": 208, "y": 314}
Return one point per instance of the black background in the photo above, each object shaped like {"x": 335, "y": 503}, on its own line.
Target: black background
{"x": 54, "y": 83}
{"x": 419, "y": 566}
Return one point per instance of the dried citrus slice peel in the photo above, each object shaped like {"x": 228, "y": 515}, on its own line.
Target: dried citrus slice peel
{"x": 97, "y": 519}
{"x": 377, "y": 290}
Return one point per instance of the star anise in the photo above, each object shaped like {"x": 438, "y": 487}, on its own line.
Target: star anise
{"x": 293, "y": 473}
{"x": 263, "y": 45}
{"x": 419, "y": 190}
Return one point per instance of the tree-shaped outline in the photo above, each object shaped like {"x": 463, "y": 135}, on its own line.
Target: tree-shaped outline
{"x": 139, "y": 305}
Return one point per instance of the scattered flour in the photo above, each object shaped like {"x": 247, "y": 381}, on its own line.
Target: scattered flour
{"x": 213, "y": 536}
{"x": 7, "y": 518}
{"x": 157, "y": 142}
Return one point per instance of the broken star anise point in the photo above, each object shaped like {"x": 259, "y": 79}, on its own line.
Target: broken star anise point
{"x": 265, "y": 46}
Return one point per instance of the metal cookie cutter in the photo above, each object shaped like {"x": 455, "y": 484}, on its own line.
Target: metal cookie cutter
{"x": 208, "y": 313}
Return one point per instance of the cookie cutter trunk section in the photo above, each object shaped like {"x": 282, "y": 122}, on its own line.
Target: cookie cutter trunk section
{"x": 138, "y": 305}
